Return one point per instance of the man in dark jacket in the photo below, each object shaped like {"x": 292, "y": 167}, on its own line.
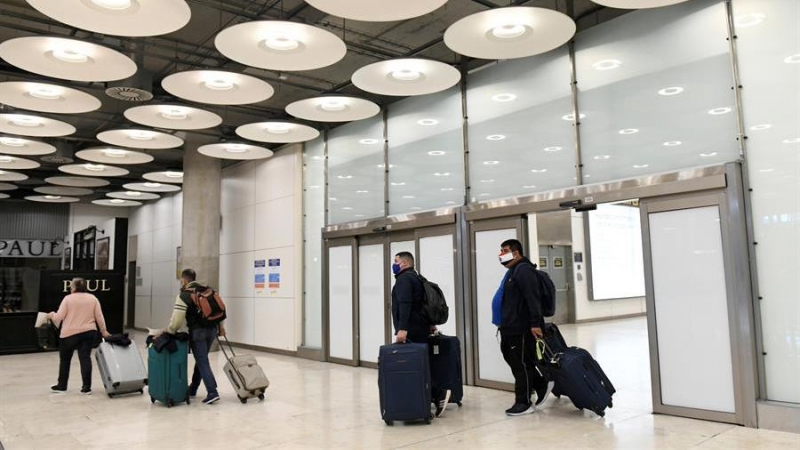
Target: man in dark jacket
{"x": 409, "y": 323}
{"x": 521, "y": 322}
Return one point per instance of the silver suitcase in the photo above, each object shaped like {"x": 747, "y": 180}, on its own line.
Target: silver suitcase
{"x": 121, "y": 368}
{"x": 245, "y": 375}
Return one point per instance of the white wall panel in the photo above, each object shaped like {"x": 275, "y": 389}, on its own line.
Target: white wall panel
{"x": 286, "y": 271}
{"x": 236, "y": 275}
{"x": 145, "y": 272}
{"x": 142, "y": 317}
{"x": 162, "y": 244}
{"x": 144, "y": 249}
{"x": 340, "y": 295}
{"x": 275, "y": 176}
{"x": 371, "y": 304}
{"x": 275, "y": 323}
{"x": 437, "y": 264}
{"x": 238, "y": 186}
{"x": 177, "y": 209}
{"x": 237, "y": 233}
{"x": 162, "y": 213}
{"x": 275, "y": 223}
{"x": 240, "y": 323}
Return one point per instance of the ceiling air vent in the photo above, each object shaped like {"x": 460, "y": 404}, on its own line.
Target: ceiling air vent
{"x": 134, "y": 89}
{"x": 65, "y": 154}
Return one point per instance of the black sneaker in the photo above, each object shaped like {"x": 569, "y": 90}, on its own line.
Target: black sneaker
{"x": 192, "y": 391}
{"x": 544, "y": 392}
{"x": 86, "y": 390}
{"x": 520, "y": 409}
{"x": 441, "y": 406}
{"x": 56, "y": 389}
{"x": 212, "y": 398}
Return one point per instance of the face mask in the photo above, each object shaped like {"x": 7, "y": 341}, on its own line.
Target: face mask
{"x": 506, "y": 258}
{"x": 395, "y": 268}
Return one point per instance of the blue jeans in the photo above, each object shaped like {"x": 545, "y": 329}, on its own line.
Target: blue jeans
{"x": 201, "y": 341}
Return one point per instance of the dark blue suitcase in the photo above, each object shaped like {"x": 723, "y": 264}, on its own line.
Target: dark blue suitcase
{"x": 578, "y": 376}
{"x": 445, "y": 359}
{"x": 553, "y": 338}
{"x": 404, "y": 381}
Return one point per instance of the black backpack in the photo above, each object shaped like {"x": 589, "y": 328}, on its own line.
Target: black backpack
{"x": 547, "y": 292}
{"x": 434, "y": 305}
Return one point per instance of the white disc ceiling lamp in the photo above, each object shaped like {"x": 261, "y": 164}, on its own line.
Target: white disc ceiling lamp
{"x": 333, "y": 109}
{"x": 93, "y": 170}
{"x": 151, "y": 187}
{"x": 6, "y": 175}
{"x": 17, "y": 163}
{"x": 67, "y": 59}
{"x": 637, "y": 4}
{"x": 65, "y": 191}
{"x": 8, "y": 187}
{"x": 133, "y": 195}
{"x": 2, "y": 195}
{"x": 133, "y": 18}
{"x": 217, "y": 87}
{"x": 167, "y": 176}
{"x": 52, "y": 199}
{"x": 140, "y": 138}
{"x": 36, "y": 126}
{"x": 277, "y": 132}
{"x": 405, "y": 77}
{"x": 377, "y": 10}
{"x": 508, "y": 33}
{"x": 116, "y": 202}
{"x": 49, "y": 98}
{"x": 238, "y": 151}
{"x": 174, "y": 117}
{"x": 280, "y": 45}
{"x": 111, "y": 155}
{"x": 81, "y": 182}
{"x": 10, "y": 145}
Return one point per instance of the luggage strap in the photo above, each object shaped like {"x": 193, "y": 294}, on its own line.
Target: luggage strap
{"x": 542, "y": 350}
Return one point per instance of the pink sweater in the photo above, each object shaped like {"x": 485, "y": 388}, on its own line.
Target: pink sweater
{"x": 78, "y": 313}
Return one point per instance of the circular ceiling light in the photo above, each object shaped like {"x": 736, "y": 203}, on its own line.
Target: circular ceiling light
{"x": 427, "y": 122}
{"x": 217, "y": 87}
{"x": 36, "y": 126}
{"x": 110, "y": 155}
{"x": 672, "y": 143}
{"x": 116, "y": 202}
{"x": 641, "y": 166}
{"x": 93, "y": 170}
{"x": 571, "y": 116}
{"x": 175, "y": 117}
{"x": 607, "y": 64}
{"x": 133, "y": 195}
{"x": 529, "y": 186}
{"x": 144, "y": 139}
{"x": 491, "y": 163}
{"x": 495, "y": 137}
{"x": 46, "y": 98}
{"x": 538, "y": 170}
{"x": 626, "y": 131}
{"x": 761, "y": 127}
{"x": 280, "y": 45}
{"x": 368, "y": 141}
{"x": 7, "y": 187}
{"x": 333, "y": 109}
{"x": 277, "y": 132}
{"x": 602, "y": 157}
{"x": 672, "y": 90}
{"x": 791, "y": 141}
{"x": 794, "y": 59}
{"x": 749, "y": 20}
{"x": 133, "y": 18}
{"x": 719, "y": 111}
{"x": 235, "y": 151}
{"x": 406, "y": 77}
{"x": 80, "y": 182}
{"x": 553, "y": 149}
{"x": 377, "y": 10}
{"x": 24, "y": 147}
{"x": 708, "y": 155}
{"x": 52, "y": 199}
{"x": 15, "y": 163}
{"x": 63, "y": 191}
{"x": 504, "y": 98}
{"x": 436, "y": 153}
{"x": 12, "y": 176}
{"x": 168, "y": 176}
{"x": 507, "y": 33}
{"x": 151, "y": 187}
{"x": 67, "y": 59}
{"x": 442, "y": 174}
{"x": 637, "y": 4}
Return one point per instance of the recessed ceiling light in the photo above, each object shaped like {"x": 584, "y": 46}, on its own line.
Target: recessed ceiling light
{"x": 529, "y": 186}
{"x": 317, "y": 158}
{"x": 552, "y": 149}
{"x": 601, "y": 157}
{"x": 152, "y": 185}
{"x": 94, "y": 167}
{"x": 641, "y": 166}
{"x": 628, "y": 131}
{"x": 760, "y": 127}
{"x": 219, "y": 84}
{"x": 791, "y": 141}
{"x": 794, "y": 59}
{"x": 408, "y": 196}
{"x": 708, "y": 155}
{"x": 398, "y": 183}
{"x": 587, "y": 176}
{"x": 508, "y": 31}
{"x": 383, "y": 166}
{"x": 6, "y": 159}
{"x": 25, "y": 121}
{"x": 749, "y": 20}
{"x": 767, "y": 170}
{"x": 673, "y": 90}
{"x": 495, "y": 137}
{"x": 359, "y": 215}
{"x": 70, "y": 56}
{"x": 719, "y": 111}
{"x": 115, "y": 153}
{"x": 117, "y": 201}
{"x": 133, "y": 194}
{"x": 173, "y": 174}
{"x": 436, "y": 153}
{"x": 281, "y": 43}
{"x": 332, "y": 199}
{"x": 236, "y": 148}
{"x": 344, "y": 177}
{"x": 174, "y": 114}
{"x": 45, "y": 93}
{"x": 333, "y": 105}
{"x": 503, "y": 98}
{"x": 12, "y": 142}
{"x": 405, "y": 75}
{"x": 415, "y": 208}
{"x": 607, "y": 64}
{"x": 52, "y": 197}
{"x": 427, "y": 122}
{"x": 442, "y": 174}
{"x": 672, "y": 143}
{"x": 362, "y": 192}
{"x": 450, "y": 203}
{"x": 368, "y": 141}
{"x": 278, "y": 128}
{"x": 491, "y": 163}
{"x": 141, "y": 135}
{"x": 116, "y": 5}
{"x": 347, "y": 208}
{"x": 571, "y": 116}
{"x": 538, "y": 170}
{"x": 487, "y": 181}
{"x": 447, "y": 189}
{"x": 485, "y": 194}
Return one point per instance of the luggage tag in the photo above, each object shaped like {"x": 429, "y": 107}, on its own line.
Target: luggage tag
{"x": 436, "y": 349}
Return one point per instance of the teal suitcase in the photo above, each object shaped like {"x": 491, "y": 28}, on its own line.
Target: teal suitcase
{"x": 168, "y": 375}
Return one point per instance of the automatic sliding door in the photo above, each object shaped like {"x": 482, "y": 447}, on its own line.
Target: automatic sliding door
{"x": 371, "y": 304}
{"x": 340, "y": 314}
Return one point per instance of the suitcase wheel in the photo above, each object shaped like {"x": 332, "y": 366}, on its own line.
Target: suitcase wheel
{"x": 243, "y": 400}
{"x": 188, "y": 401}
{"x": 152, "y": 399}
{"x": 110, "y": 396}
{"x": 170, "y": 403}
{"x": 389, "y": 423}
{"x": 427, "y": 421}
{"x": 261, "y": 396}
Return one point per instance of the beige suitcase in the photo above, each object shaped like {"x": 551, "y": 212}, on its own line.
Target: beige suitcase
{"x": 245, "y": 375}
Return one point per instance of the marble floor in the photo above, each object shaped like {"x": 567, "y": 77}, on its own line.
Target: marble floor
{"x": 318, "y": 405}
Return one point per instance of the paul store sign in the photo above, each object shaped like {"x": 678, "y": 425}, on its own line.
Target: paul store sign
{"x": 37, "y": 248}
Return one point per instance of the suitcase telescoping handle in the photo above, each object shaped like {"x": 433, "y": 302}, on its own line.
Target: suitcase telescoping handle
{"x": 230, "y": 347}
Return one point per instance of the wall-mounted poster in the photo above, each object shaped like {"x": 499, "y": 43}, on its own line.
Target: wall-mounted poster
{"x": 259, "y": 280}
{"x": 178, "y": 263}
{"x": 543, "y": 263}
{"x": 67, "y": 258}
{"x": 558, "y": 263}
{"x": 102, "y": 253}
{"x": 274, "y": 275}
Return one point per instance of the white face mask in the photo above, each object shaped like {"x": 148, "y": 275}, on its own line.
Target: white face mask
{"x": 506, "y": 257}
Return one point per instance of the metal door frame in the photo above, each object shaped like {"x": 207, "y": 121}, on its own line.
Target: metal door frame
{"x": 331, "y": 243}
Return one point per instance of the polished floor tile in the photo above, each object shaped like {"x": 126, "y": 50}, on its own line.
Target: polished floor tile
{"x": 318, "y": 405}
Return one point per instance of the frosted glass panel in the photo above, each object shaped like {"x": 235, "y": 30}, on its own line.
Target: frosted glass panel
{"x": 355, "y": 171}
{"x": 489, "y": 274}
{"x": 617, "y": 264}
{"x": 313, "y": 221}
{"x": 691, "y": 309}
{"x": 769, "y": 52}
{"x": 340, "y": 295}
{"x": 515, "y": 127}
{"x": 426, "y": 156}
{"x": 655, "y": 92}
{"x": 370, "y": 300}
{"x": 437, "y": 265}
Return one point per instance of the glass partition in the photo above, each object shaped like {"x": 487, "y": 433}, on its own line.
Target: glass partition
{"x": 313, "y": 221}
{"x": 518, "y": 141}
{"x": 426, "y": 155}
{"x": 355, "y": 171}
{"x": 655, "y": 92}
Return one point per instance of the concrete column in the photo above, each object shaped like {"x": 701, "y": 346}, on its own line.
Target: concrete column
{"x": 201, "y": 214}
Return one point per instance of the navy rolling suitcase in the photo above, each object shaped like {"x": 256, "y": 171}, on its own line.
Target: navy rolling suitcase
{"x": 578, "y": 376}
{"x": 445, "y": 359}
{"x": 553, "y": 338}
{"x": 404, "y": 381}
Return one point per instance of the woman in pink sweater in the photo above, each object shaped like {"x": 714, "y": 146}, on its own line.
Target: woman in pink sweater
{"x": 80, "y": 316}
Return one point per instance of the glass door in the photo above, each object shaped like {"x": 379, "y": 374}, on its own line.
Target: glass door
{"x": 341, "y": 315}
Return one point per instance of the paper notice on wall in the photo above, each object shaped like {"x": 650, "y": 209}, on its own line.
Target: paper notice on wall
{"x": 260, "y": 282}
{"x": 274, "y": 276}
